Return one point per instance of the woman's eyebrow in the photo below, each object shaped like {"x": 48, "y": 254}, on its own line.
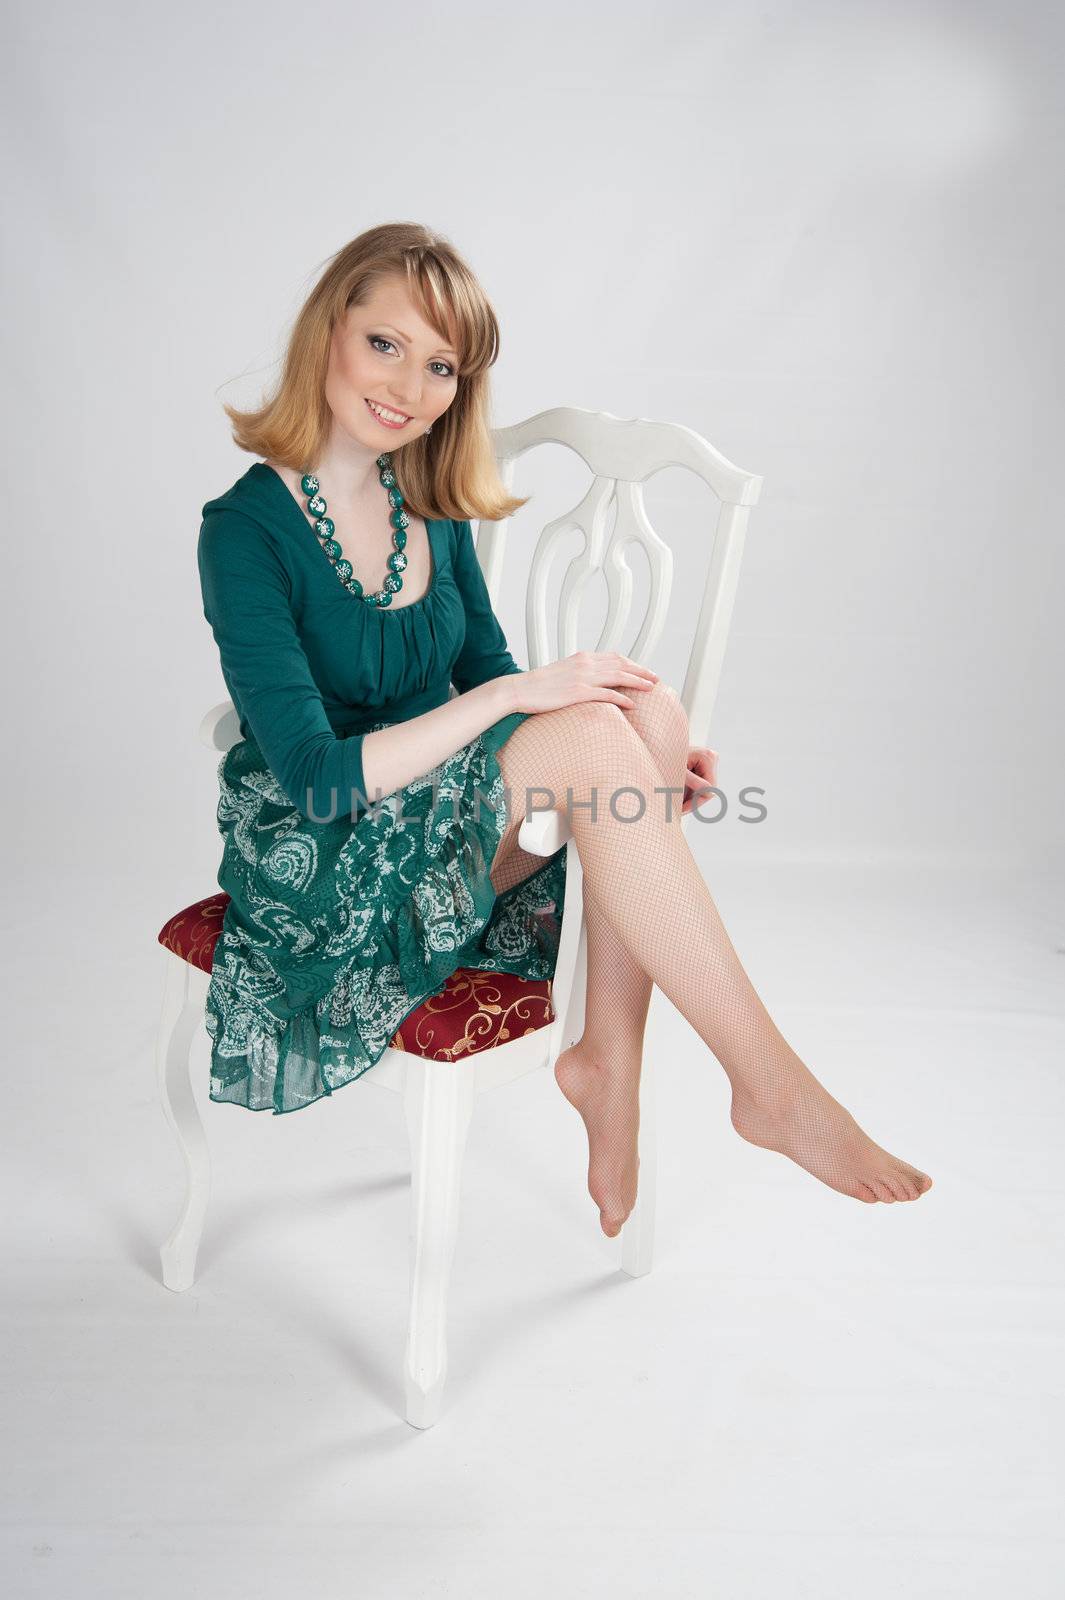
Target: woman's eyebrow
{"x": 445, "y": 351}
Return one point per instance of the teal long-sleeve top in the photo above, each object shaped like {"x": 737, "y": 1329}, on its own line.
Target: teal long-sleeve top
{"x": 310, "y": 666}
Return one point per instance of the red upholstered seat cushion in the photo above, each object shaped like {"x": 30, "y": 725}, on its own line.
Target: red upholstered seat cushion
{"x": 473, "y": 1011}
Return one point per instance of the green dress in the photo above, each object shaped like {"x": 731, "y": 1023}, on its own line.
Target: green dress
{"x": 344, "y": 914}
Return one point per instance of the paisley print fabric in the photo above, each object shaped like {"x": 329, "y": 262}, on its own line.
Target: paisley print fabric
{"x": 336, "y": 931}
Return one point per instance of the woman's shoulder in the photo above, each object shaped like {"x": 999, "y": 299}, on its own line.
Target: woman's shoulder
{"x": 247, "y": 511}
{"x": 246, "y": 498}
{"x": 459, "y": 532}
{"x": 240, "y": 525}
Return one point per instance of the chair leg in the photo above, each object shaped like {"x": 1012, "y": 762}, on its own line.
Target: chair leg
{"x": 638, "y": 1234}
{"x": 438, "y": 1101}
{"x": 182, "y": 1017}
{"x": 578, "y": 997}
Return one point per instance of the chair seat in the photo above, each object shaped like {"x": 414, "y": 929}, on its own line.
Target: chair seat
{"x": 472, "y": 1012}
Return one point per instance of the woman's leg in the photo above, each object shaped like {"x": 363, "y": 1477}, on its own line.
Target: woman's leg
{"x": 600, "y": 1073}
{"x": 647, "y": 884}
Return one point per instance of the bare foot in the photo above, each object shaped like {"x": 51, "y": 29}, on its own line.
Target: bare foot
{"x": 607, "y": 1095}
{"x": 808, "y": 1125}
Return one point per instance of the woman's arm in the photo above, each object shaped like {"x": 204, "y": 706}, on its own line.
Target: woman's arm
{"x": 484, "y": 652}
{"x": 395, "y": 756}
{"x": 246, "y": 601}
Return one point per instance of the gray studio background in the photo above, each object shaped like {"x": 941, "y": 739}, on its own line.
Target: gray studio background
{"x": 828, "y": 238}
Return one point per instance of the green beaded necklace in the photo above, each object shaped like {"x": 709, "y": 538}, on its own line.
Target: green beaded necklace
{"x": 325, "y": 527}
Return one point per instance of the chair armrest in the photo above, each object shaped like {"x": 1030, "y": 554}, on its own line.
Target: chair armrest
{"x": 547, "y": 831}
{"x": 220, "y": 728}
{"x": 544, "y": 832}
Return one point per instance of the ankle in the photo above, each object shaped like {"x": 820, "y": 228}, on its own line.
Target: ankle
{"x": 623, "y": 1041}
{"x": 775, "y": 1093}
{"x": 620, "y": 1053}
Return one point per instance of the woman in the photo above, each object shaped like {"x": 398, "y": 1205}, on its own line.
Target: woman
{"x": 370, "y": 822}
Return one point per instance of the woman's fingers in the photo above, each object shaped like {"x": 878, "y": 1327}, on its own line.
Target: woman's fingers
{"x": 604, "y": 667}
{"x": 637, "y": 667}
{"x": 611, "y": 697}
{"x": 696, "y": 780}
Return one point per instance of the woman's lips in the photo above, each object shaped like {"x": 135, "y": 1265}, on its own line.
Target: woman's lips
{"x": 385, "y": 423}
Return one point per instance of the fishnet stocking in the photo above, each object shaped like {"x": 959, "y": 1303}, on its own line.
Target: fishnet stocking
{"x": 646, "y": 896}
{"x": 600, "y": 1073}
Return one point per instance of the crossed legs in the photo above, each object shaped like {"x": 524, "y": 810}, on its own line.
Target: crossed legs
{"x": 652, "y": 918}
{"x": 600, "y": 1073}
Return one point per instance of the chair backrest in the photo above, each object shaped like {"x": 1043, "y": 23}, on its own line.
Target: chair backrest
{"x": 622, "y": 453}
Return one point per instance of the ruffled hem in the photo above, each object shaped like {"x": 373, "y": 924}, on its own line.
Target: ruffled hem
{"x": 318, "y": 966}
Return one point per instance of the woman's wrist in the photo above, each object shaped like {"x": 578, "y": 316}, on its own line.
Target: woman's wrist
{"x": 501, "y": 694}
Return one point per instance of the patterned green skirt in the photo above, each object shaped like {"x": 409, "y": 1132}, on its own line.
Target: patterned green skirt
{"x": 336, "y": 931}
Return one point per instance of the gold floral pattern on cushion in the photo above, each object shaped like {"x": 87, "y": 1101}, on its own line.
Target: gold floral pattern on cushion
{"x": 192, "y": 933}
{"x": 472, "y": 1012}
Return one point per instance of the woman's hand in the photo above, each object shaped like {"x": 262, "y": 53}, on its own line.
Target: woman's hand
{"x": 702, "y": 770}
{"x": 588, "y": 675}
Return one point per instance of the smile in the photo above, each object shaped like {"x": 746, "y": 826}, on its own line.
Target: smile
{"x": 390, "y": 419}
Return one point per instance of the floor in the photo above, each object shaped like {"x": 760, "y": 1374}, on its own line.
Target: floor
{"x": 807, "y": 1396}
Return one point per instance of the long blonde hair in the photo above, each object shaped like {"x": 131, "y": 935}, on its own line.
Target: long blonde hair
{"x": 450, "y": 472}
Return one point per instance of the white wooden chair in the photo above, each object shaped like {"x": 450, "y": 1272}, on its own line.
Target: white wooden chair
{"x": 439, "y": 1096}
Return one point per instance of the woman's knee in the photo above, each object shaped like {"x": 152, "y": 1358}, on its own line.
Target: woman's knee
{"x": 661, "y": 721}
{"x": 657, "y": 718}
{"x": 586, "y": 712}
{"x": 566, "y": 747}
{"x": 587, "y": 733}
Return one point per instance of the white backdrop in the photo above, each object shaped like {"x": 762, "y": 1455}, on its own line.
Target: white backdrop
{"x": 823, "y": 237}
{"x": 826, "y": 236}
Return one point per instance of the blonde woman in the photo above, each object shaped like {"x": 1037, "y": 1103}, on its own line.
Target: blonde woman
{"x": 370, "y": 822}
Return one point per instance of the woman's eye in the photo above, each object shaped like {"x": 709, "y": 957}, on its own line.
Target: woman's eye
{"x": 376, "y": 339}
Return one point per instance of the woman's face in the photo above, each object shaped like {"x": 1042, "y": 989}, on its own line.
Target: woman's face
{"x": 383, "y": 352}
